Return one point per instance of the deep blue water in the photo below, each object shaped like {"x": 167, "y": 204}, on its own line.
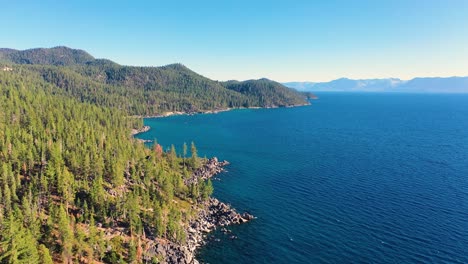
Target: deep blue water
{"x": 363, "y": 178}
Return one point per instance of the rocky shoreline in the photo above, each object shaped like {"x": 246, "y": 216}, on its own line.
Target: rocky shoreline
{"x": 208, "y": 170}
{"x": 139, "y": 131}
{"x": 215, "y": 111}
{"x": 212, "y": 214}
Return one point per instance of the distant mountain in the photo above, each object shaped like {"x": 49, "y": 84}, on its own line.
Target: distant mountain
{"x": 436, "y": 85}
{"x": 144, "y": 90}
{"x": 300, "y": 86}
{"x": 416, "y": 85}
{"x": 345, "y": 84}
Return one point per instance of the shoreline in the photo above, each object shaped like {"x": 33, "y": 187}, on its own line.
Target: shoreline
{"x": 139, "y": 131}
{"x": 215, "y": 111}
{"x": 211, "y": 214}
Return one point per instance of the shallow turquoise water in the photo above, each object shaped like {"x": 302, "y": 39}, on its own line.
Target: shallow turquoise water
{"x": 364, "y": 178}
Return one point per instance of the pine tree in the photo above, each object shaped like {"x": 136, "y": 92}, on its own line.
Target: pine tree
{"x": 173, "y": 157}
{"x": 194, "y": 160}
{"x": 66, "y": 235}
{"x": 207, "y": 189}
{"x": 17, "y": 245}
{"x": 132, "y": 252}
{"x": 158, "y": 219}
{"x": 44, "y": 255}
{"x": 184, "y": 150}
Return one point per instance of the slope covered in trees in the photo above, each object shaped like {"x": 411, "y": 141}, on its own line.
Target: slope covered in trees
{"x": 75, "y": 186}
{"x": 266, "y": 93}
{"x": 55, "y": 56}
{"x": 144, "y": 90}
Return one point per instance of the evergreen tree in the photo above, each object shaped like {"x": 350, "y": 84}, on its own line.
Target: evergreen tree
{"x": 158, "y": 220}
{"x": 194, "y": 160}
{"x": 66, "y": 235}
{"x": 173, "y": 157}
{"x": 184, "y": 151}
{"x": 17, "y": 245}
{"x": 44, "y": 255}
{"x": 207, "y": 189}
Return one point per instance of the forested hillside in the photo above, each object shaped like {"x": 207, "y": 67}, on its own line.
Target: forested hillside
{"x": 266, "y": 93}
{"x": 75, "y": 186}
{"x": 144, "y": 90}
{"x": 55, "y": 56}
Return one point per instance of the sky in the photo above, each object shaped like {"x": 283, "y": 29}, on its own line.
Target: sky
{"x": 293, "y": 40}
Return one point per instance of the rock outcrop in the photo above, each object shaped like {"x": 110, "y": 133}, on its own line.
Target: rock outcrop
{"x": 141, "y": 130}
{"x": 211, "y": 214}
{"x": 206, "y": 171}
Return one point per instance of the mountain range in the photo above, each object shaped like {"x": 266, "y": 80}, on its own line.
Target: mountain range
{"x": 416, "y": 85}
{"x": 143, "y": 90}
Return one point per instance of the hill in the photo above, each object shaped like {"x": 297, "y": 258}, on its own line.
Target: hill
{"x": 144, "y": 90}
{"x": 266, "y": 93}
{"x": 76, "y": 187}
{"x": 62, "y": 56}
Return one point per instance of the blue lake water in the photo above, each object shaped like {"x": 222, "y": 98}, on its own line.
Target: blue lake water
{"x": 363, "y": 178}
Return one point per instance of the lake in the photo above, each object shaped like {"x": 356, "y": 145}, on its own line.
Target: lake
{"x": 355, "y": 177}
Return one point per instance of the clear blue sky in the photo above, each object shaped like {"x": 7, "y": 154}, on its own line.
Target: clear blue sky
{"x": 293, "y": 40}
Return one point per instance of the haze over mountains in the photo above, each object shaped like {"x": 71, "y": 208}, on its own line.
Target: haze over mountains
{"x": 416, "y": 85}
